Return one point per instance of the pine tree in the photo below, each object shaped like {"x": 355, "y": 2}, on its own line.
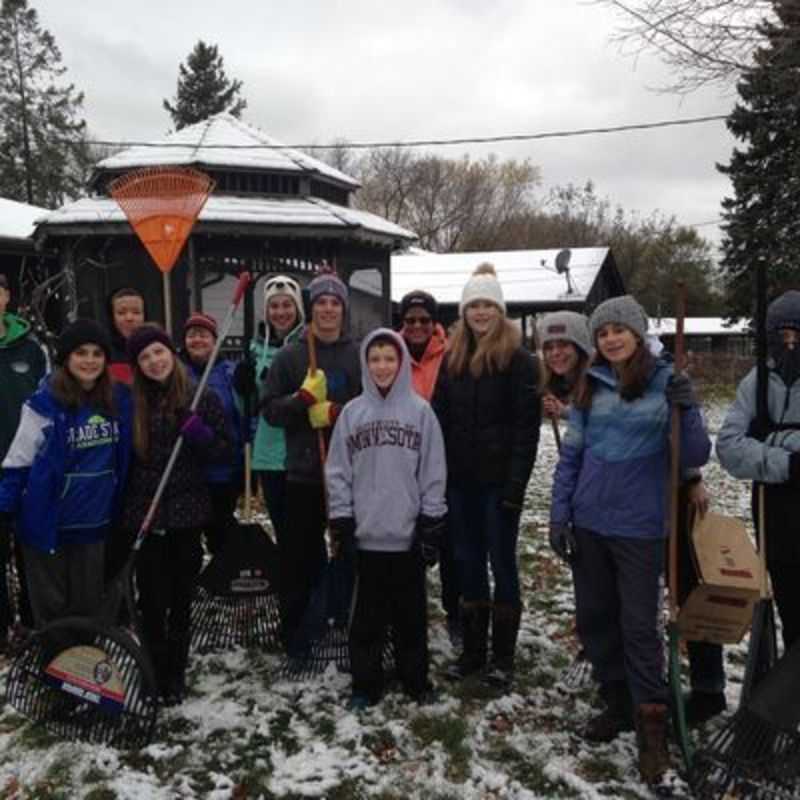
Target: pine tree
{"x": 762, "y": 219}
{"x": 43, "y": 150}
{"x": 204, "y": 88}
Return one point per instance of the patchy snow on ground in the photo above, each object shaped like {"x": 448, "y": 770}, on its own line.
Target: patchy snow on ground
{"x": 246, "y": 733}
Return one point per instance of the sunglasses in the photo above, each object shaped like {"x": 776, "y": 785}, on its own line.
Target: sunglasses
{"x": 421, "y": 321}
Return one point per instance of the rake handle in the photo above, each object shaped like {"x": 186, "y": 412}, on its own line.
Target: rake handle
{"x": 675, "y": 453}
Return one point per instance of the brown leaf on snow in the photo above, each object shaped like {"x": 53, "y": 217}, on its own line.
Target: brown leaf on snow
{"x": 501, "y": 724}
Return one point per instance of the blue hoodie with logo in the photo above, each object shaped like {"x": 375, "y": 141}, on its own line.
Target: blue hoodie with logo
{"x": 65, "y": 470}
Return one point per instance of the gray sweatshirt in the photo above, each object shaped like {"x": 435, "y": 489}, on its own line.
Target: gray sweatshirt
{"x": 386, "y": 463}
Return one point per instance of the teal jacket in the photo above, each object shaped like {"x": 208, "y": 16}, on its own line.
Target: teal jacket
{"x": 269, "y": 443}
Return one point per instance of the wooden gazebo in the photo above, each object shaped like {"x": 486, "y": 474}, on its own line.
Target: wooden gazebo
{"x": 274, "y": 209}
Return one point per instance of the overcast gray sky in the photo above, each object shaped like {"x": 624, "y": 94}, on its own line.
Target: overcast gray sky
{"x": 318, "y": 70}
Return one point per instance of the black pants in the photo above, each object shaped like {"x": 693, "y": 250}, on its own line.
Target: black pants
{"x": 448, "y": 575}
{"x": 781, "y": 512}
{"x": 166, "y": 575}
{"x": 617, "y": 603}
{"x": 68, "y": 582}
{"x": 273, "y": 484}
{"x": 390, "y": 593}
{"x": 706, "y": 662}
{"x": 223, "y": 497}
{"x": 301, "y": 548}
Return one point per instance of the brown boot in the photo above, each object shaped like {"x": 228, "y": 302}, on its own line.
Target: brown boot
{"x": 651, "y": 737}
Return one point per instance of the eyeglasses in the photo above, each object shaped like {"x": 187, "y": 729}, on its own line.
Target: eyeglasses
{"x": 421, "y": 321}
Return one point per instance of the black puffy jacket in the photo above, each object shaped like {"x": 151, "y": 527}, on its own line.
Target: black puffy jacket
{"x": 491, "y": 424}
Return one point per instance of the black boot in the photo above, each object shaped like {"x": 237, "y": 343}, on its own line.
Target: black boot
{"x": 505, "y": 628}
{"x": 617, "y": 716}
{"x": 475, "y": 622}
{"x": 177, "y": 658}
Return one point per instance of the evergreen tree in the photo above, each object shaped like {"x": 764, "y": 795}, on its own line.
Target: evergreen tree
{"x": 762, "y": 219}
{"x": 42, "y": 136}
{"x": 203, "y": 88}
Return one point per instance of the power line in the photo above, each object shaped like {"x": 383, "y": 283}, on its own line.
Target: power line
{"x": 517, "y": 137}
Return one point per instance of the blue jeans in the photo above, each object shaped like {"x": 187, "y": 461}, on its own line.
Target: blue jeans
{"x": 482, "y": 529}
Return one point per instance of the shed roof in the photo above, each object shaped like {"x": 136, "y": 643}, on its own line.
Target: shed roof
{"x": 701, "y": 326}
{"x": 17, "y": 220}
{"x": 251, "y": 210}
{"x": 527, "y": 276}
{"x": 223, "y": 141}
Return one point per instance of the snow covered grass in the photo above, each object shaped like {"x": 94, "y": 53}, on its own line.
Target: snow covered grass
{"x": 244, "y": 733}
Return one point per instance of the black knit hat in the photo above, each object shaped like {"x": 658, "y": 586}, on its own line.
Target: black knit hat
{"x": 80, "y": 332}
{"x": 421, "y": 299}
{"x": 144, "y": 336}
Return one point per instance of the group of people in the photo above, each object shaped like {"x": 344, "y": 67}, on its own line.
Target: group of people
{"x": 415, "y": 447}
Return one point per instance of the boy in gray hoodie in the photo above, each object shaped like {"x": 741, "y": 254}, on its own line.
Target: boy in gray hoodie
{"x": 386, "y": 474}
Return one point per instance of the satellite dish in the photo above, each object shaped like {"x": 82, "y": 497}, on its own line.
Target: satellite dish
{"x": 562, "y": 261}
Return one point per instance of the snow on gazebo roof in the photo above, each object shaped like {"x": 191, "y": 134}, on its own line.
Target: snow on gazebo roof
{"x": 527, "y": 276}
{"x": 223, "y": 141}
{"x": 17, "y": 220}
{"x": 284, "y": 212}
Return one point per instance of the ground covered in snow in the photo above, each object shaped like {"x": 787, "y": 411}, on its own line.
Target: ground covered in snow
{"x": 246, "y": 733}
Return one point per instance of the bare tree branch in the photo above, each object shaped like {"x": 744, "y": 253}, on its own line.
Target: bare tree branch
{"x": 702, "y": 41}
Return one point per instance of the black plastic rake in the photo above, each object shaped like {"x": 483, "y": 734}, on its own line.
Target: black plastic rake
{"x": 757, "y": 753}
{"x": 84, "y": 680}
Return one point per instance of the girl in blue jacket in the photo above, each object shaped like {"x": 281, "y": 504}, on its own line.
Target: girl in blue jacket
{"x": 608, "y": 518}
{"x": 63, "y": 475}
{"x": 225, "y": 478}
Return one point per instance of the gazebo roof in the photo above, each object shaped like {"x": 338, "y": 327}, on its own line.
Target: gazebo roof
{"x": 224, "y": 210}
{"x": 223, "y": 141}
{"x": 18, "y": 220}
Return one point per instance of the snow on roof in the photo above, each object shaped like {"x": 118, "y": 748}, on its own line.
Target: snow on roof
{"x": 17, "y": 219}
{"x": 305, "y": 212}
{"x": 527, "y": 276}
{"x": 700, "y": 326}
{"x": 223, "y": 141}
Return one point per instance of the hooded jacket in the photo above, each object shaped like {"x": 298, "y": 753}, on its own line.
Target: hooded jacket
{"x": 284, "y": 409}
{"x": 613, "y": 471}
{"x": 65, "y": 471}
{"x": 386, "y": 464}
{"x": 425, "y": 371}
{"x": 221, "y": 381}
{"x": 23, "y": 364}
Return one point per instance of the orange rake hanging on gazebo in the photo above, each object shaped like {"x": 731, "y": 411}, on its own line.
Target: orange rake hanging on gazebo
{"x": 162, "y": 205}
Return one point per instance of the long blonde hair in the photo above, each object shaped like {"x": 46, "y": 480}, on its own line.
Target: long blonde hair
{"x": 490, "y": 353}
{"x": 177, "y": 398}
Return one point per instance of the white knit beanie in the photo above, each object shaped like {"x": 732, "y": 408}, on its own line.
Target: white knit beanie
{"x": 283, "y": 284}
{"x": 483, "y": 285}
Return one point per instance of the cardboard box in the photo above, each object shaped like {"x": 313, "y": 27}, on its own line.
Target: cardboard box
{"x": 720, "y": 609}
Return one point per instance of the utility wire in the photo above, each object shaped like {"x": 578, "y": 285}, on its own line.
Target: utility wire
{"x": 520, "y": 137}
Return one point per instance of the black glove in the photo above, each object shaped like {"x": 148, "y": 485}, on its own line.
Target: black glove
{"x": 562, "y": 541}
{"x": 244, "y": 378}
{"x": 679, "y": 391}
{"x": 430, "y": 535}
{"x": 513, "y": 497}
{"x": 343, "y": 534}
